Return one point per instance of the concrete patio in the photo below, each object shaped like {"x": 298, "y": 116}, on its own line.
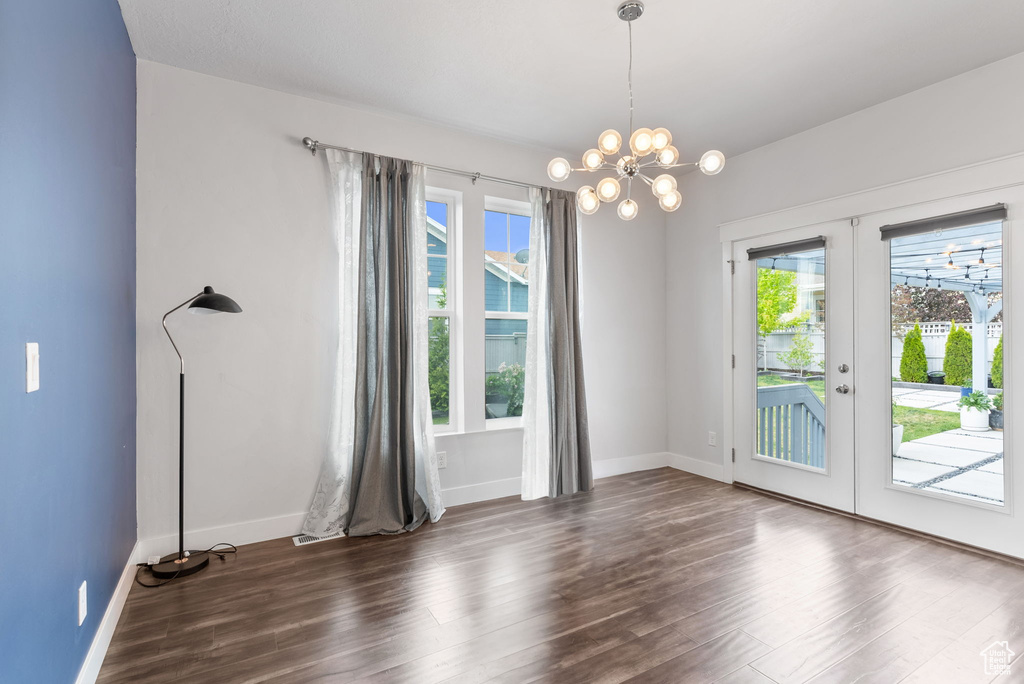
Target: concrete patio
{"x": 957, "y": 462}
{"x": 934, "y": 399}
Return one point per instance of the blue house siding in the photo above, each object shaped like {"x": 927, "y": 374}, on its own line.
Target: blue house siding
{"x": 496, "y": 294}
{"x": 67, "y": 279}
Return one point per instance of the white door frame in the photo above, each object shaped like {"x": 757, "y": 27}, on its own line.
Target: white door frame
{"x": 964, "y": 187}
{"x": 832, "y": 486}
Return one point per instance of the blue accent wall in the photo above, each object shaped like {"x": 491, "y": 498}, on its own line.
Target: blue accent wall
{"x": 67, "y": 281}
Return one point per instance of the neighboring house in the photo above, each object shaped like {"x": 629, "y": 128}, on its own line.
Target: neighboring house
{"x": 502, "y": 271}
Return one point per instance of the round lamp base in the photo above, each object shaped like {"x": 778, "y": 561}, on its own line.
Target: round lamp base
{"x": 169, "y": 566}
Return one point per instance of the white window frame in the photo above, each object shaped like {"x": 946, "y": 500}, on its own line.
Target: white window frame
{"x": 453, "y": 200}
{"x": 519, "y": 208}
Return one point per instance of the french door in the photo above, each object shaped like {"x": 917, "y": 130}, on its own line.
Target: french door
{"x": 793, "y": 381}
{"x": 853, "y": 343}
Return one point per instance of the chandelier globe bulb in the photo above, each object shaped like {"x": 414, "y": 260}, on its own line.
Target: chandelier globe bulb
{"x": 609, "y": 142}
{"x": 559, "y": 169}
{"x": 663, "y": 185}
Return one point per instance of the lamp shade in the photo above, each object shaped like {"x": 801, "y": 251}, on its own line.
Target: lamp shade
{"x": 211, "y": 302}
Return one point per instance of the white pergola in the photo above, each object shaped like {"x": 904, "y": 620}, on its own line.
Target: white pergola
{"x": 968, "y": 260}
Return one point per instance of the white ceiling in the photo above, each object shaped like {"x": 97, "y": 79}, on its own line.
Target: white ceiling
{"x": 728, "y": 74}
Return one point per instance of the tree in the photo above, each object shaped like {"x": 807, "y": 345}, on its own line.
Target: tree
{"x": 799, "y": 355}
{"x": 438, "y": 356}
{"x": 911, "y": 303}
{"x": 997, "y": 365}
{"x": 914, "y": 362}
{"x": 958, "y": 361}
{"x": 776, "y": 298}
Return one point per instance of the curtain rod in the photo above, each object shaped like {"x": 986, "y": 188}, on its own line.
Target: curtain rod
{"x": 314, "y": 145}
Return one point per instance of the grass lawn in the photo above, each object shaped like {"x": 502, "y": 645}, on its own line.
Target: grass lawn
{"x": 817, "y": 386}
{"x": 918, "y": 423}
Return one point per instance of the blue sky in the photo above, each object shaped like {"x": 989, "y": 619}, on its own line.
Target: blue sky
{"x": 499, "y": 229}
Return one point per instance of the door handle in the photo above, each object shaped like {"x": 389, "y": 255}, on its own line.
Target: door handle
{"x": 843, "y": 389}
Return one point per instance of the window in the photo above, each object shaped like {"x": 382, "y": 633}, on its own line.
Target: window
{"x": 506, "y": 299}
{"x": 946, "y": 299}
{"x": 440, "y": 216}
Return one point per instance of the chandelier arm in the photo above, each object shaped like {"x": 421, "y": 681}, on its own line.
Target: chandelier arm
{"x": 646, "y": 179}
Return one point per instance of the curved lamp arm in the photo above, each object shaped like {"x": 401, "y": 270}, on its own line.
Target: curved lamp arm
{"x": 164, "y": 322}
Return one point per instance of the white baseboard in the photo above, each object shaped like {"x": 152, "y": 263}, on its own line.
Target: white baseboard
{"x": 248, "y": 532}
{"x": 610, "y": 467}
{"x": 484, "y": 491}
{"x": 713, "y": 471}
{"x": 289, "y": 525}
{"x": 98, "y": 648}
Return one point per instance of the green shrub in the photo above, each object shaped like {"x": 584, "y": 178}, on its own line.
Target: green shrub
{"x": 997, "y": 401}
{"x": 509, "y": 383}
{"x": 958, "y": 361}
{"x": 799, "y": 355}
{"x": 914, "y": 363}
{"x": 997, "y": 364}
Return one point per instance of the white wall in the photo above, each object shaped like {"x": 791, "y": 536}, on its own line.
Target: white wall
{"x": 967, "y": 119}
{"x": 228, "y": 198}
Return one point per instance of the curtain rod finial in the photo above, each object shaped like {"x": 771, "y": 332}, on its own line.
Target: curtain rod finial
{"x": 310, "y": 144}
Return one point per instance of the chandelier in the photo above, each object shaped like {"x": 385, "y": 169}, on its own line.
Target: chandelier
{"x": 649, "y": 151}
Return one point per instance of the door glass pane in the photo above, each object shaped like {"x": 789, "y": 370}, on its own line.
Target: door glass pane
{"x": 438, "y": 368}
{"x": 790, "y": 415}
{"x": 947, "y": 362}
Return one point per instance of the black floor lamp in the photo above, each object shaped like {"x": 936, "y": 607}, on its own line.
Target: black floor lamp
{"x": 178, "y": 564}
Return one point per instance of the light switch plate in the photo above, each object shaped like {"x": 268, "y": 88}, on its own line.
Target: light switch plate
{"x": 83, "y": 603}
{"x": 31, "y": 366}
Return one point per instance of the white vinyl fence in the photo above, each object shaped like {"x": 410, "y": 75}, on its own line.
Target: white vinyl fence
{"x": 933, "y": 335}
{"x": 777, "y": 344}
{"x": 507, "y": 349}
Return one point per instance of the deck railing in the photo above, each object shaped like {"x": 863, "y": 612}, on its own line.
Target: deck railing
{"x": 791, "y": 424}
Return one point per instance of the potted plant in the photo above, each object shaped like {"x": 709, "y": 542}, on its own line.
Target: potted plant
{"x": 897, "y": 431}
{"x": 995, "y": 416}
{"x": 974, "y": 411}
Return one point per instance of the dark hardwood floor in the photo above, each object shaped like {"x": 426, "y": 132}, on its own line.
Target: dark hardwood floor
{"x": 657, "y": 576}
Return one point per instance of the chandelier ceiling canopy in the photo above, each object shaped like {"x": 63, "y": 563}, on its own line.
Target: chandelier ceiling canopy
{"x": 648, "y": 152}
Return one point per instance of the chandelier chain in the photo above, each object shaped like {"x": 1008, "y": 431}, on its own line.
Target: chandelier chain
{"x": 629, "y": 77}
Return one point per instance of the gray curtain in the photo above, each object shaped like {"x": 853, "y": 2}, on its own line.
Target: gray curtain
{"x": 570, "y": 435}
{"x": 384, "y": 496}
{"x": 558, "y": 418}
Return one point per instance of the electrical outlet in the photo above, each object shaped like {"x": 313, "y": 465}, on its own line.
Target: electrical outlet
{"x": 31, "y": 366}
{"x": 442, "y": 459}
{"x": 712, "y": 439}
{"x": 83, "y": 603}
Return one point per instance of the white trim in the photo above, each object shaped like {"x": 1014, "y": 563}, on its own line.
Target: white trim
{"x": 964, "y": 181}
{"x": 696, "y": 466}
{"x": 482, "y": 491}
{"x": 101, "y": 640}
{"x": 248, "y": 532}
{"x": 492, "y": 264}
{"x": 503, "y": 205}
{"x": 611, "y": 467}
